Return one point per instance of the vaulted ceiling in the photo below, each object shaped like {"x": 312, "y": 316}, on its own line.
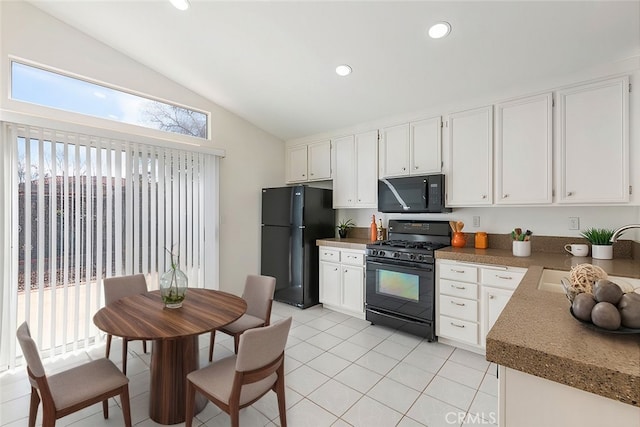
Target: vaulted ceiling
{"x": 273, "y": 62}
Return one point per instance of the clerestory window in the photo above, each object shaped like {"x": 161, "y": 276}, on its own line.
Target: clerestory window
{"x": 55, "y": 90}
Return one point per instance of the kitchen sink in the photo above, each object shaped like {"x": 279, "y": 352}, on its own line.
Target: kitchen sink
{"x": 550, "y": 281}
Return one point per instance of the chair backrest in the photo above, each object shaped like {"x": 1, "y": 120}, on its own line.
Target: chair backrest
{"x": 258, "y": 293}
{"x": 261, "y": 346}
{"x": 123, "y": 286}
{"x": 30, "y": 352}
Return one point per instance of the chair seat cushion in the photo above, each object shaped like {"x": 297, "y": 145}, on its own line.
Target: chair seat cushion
{"x": 246, "y": 321}
{"x": 217, "y": 380}
{"x": 85, "y": 382}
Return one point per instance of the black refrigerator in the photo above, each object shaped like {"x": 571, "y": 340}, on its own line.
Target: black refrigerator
{"x": 292, "y": 219}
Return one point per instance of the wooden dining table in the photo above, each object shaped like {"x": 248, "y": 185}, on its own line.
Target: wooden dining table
{"x": 174, "y": 332}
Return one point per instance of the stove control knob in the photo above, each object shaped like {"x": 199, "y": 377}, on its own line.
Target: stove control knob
{"x": 412, "y": 256}
{"x": 420, "y": 258}
{"x": 381, "y": 253}
{"x": 396, "y": 255}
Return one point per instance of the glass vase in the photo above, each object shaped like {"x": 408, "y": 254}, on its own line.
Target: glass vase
{"x": 173, "y": 287}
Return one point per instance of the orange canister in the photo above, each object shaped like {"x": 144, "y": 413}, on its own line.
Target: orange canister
{"x": 481, "y": 240}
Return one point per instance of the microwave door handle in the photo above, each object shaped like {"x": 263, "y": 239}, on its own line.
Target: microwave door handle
{"x": 425, "y": 193}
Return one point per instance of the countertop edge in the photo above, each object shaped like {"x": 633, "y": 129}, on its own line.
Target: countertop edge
{"x": 347, "y": 243}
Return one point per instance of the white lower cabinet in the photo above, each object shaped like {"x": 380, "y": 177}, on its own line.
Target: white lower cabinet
{"x": 342, "y": 275}
{"x": 493, "y": 302}
{"x": 470, "y": 299}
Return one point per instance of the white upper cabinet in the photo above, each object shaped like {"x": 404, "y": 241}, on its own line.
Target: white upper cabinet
{"x": 297, "y": 163}
{"x": 593, "y": 142}
{"x": 411, "y": 148}
{"x": 344, "y": 178}
{"x": 394, "y": 151}
{"x": 470, "y": 151}
{"x": 367, "y": 169}
{"x": 426, "y": 146}
{"x": 523, "y": 150}
{"x": 309, "y": 162}
{"x": 319, "y": 161}
{"x": 355, "y": 183}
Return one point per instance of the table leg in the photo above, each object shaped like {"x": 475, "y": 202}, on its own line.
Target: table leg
{"x": 171, "y": 361}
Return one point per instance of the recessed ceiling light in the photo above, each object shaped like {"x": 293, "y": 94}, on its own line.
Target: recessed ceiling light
{"x": 343, "y": 70}
{"x": 439, "y": 30}
{"x": 180, "y": 4}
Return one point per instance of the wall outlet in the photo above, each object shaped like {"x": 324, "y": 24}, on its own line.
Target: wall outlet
{"x": 476, "y": 221}
{"x": 574, "y": 223}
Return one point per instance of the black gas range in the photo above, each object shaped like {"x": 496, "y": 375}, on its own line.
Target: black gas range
{"x": 400, "y": 280}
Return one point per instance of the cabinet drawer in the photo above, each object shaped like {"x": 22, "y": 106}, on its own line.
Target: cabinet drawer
{"x": 459, "y": 272}
{"x": 459, "y": 308}
{"x": 331, "y": 255}
{"x": 459, "y": 330}
{"x": 458, "y": 289}
{"x": 352, "y": 258}
{"x": 508, "y": 279}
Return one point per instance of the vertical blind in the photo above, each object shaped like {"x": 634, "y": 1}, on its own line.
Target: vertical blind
{"x": 86, "y": 208}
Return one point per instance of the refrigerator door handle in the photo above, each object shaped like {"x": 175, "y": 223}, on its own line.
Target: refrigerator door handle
{"x": 301, "y": 226}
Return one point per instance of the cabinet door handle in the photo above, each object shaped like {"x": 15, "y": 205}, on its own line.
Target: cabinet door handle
{"x": 335, "y": 269}
{"x": 484, "y": 196}
{"x": 404, "y": 169}
{"x": 504, "y": 277}
{"x": 504, "y": 196}
{"x": 462, "y": 288}
{"x": 311, "y": 173}
{"x": 456, "y": 325}
{"x": 491, "y": 296}
{"x": 461, "y": 304}
{"x": 569, "y": 193}
{"x": 415, "y": 167}
{"x": 457, "y": 271}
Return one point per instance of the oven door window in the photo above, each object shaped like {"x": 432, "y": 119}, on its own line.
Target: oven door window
{"x": 398, "y": 284}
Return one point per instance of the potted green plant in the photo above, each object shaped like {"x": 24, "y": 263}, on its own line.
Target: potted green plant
{"x": 343, "y": 226}
{"x": 600, "y": 239}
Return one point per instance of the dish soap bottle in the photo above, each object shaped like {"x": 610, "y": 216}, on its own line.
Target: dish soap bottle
{"x": 380, "y": 234}
{"x": 373, "y": 235}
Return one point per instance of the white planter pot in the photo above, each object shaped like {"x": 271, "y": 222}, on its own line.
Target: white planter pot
{"x": 602, "y": 251}
{"x": 521, "y": 248}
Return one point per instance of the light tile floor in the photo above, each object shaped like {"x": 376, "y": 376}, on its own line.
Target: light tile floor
{"x": 340, "y": 371}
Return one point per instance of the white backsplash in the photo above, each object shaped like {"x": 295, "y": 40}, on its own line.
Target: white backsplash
{"x": 542, "y": 221}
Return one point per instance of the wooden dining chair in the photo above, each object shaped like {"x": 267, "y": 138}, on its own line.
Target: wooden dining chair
{"x": 240, "y": 380}
{"x": 120, "y": 287}
{"x": 258, "y": 293}
{"x": 73, "y": 389}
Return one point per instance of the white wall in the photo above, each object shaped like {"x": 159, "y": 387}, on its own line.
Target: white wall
{"x": 254, "y": 158}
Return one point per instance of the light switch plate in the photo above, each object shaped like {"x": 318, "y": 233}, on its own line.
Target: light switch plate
{"x": 574, "y": 223}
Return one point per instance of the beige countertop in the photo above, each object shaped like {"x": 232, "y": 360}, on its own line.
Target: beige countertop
{"x": 536, "y": 333}
{"x": 346, "y": 243}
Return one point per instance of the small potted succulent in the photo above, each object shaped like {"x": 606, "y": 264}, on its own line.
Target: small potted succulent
{"x": 601, "y": 246}
{"x": 343, "y": 226}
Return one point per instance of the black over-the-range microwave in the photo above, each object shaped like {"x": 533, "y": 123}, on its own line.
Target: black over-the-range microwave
{"x": 413, "y": 194}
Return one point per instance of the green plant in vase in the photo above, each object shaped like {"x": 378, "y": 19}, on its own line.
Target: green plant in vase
{"x": 344, "y": 226}
{"x": 173, "y": 283}
{"x": 600, "y": 239}
{"x": 598, "y": 236}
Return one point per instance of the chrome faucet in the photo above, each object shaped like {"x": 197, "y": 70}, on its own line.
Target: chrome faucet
{"x": 621, "y": 230}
